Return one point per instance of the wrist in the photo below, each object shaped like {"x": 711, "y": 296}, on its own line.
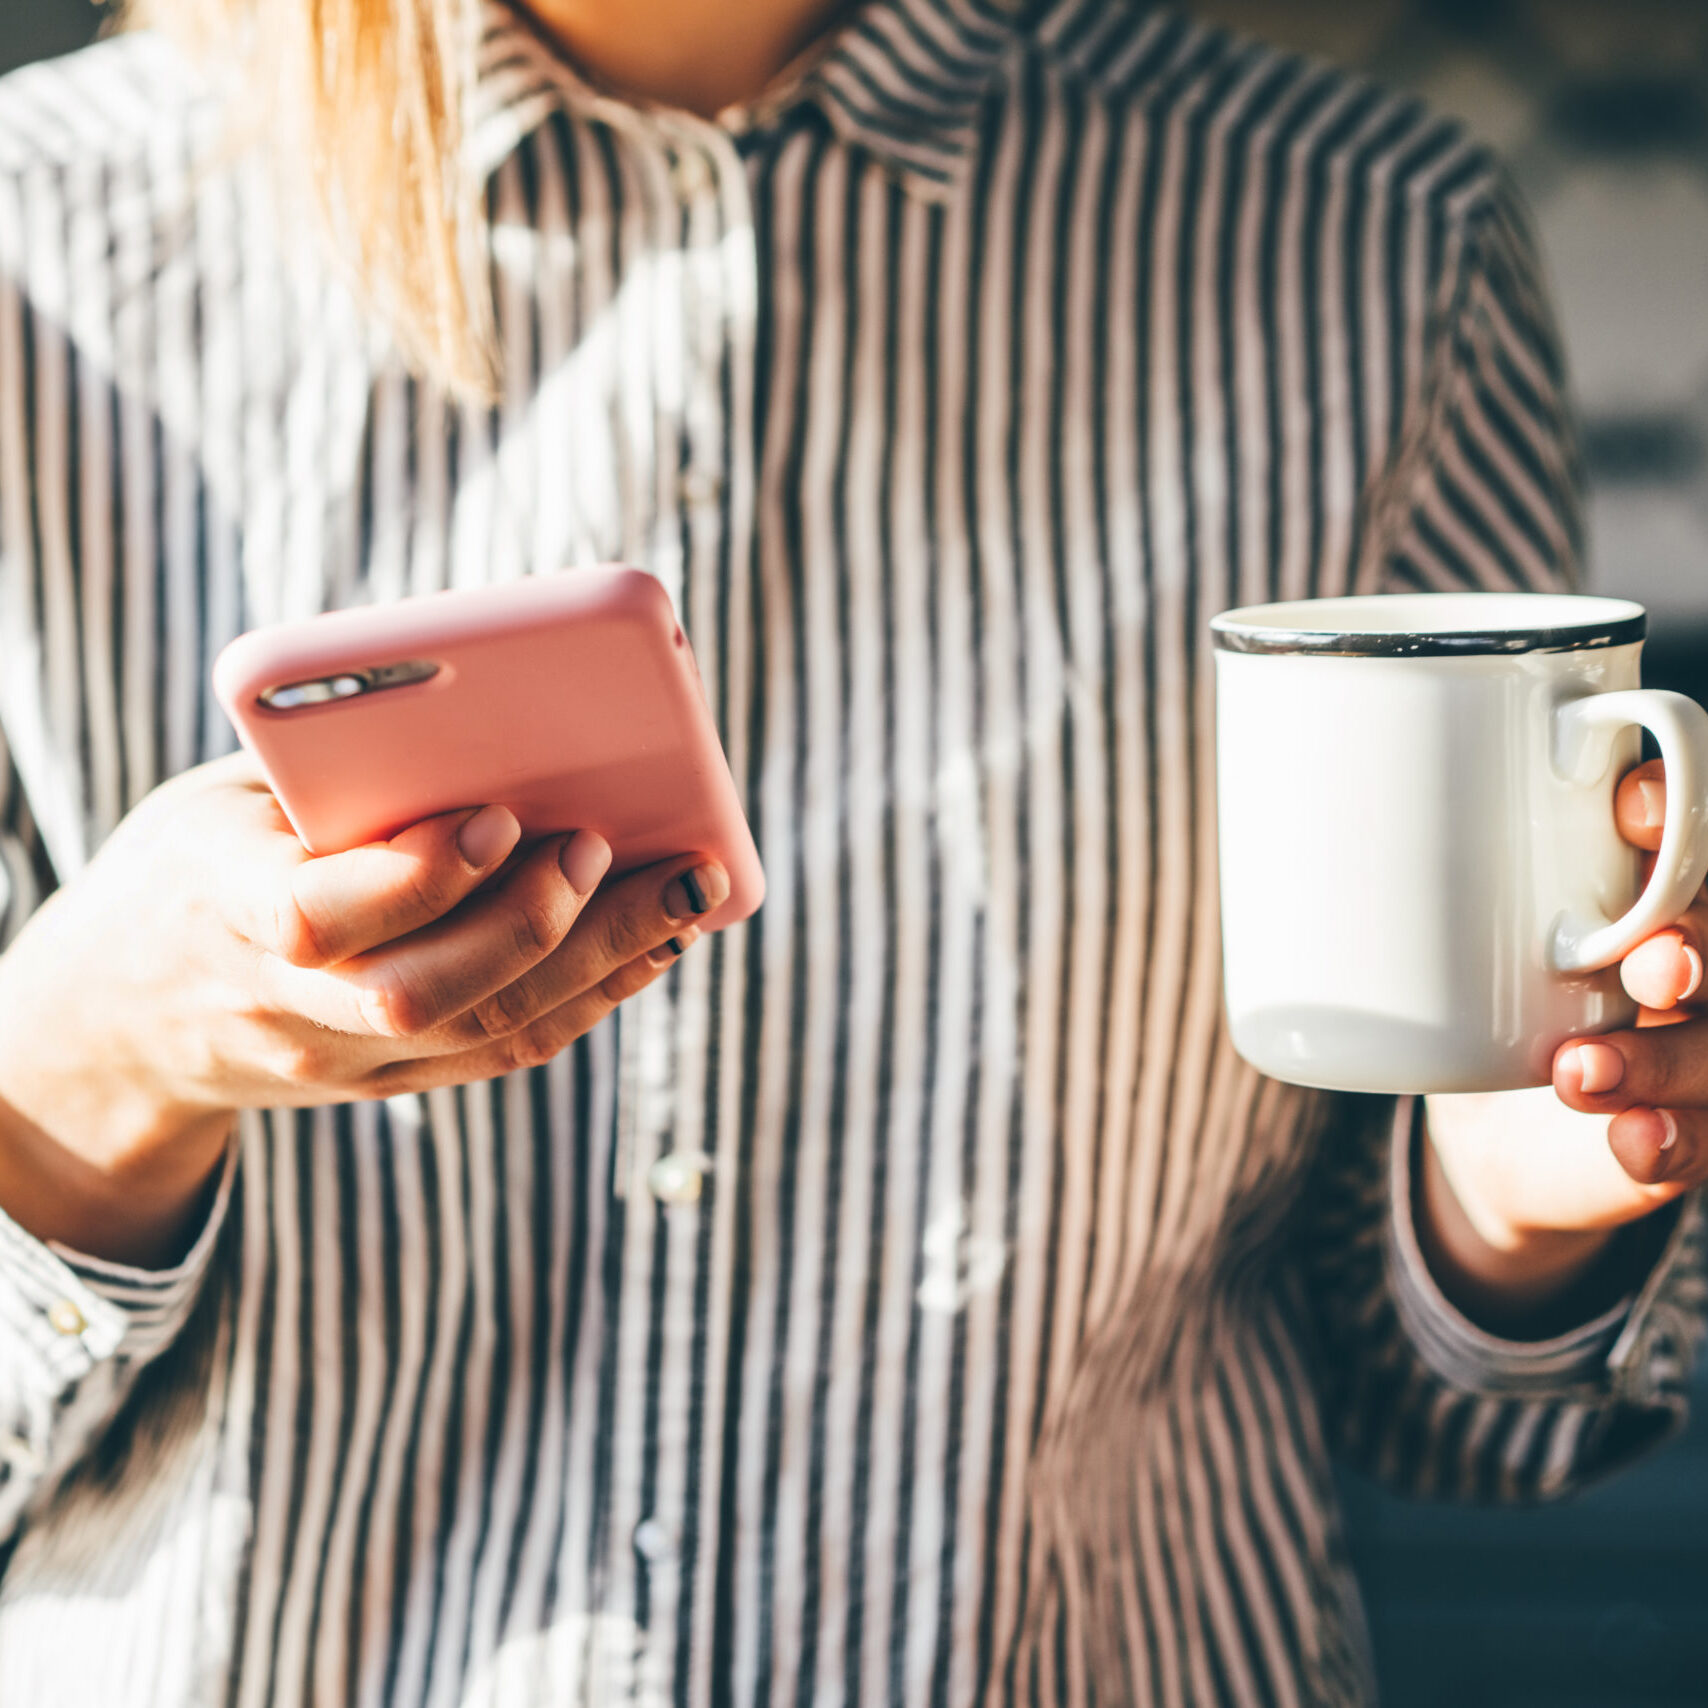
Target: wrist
{"x": 1519, "y": 1283}
{"x": 132, "y": 1193}
{"x": 95, "y": 1153}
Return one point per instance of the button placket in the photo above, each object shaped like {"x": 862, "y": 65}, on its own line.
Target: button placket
{"x": 683, "y": 1177}
{"x": 696, "y": 176}
{"x": 657, "y": 1025}
{"x": 712, "y": 317}
{"x": 643, "y": 1079}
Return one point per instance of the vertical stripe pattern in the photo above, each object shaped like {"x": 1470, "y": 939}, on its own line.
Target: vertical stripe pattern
{"x": 1001, "y": 1354}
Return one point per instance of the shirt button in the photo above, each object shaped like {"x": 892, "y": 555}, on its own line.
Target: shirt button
{"x": 652, "y": 1540}
{"x": 676, "y": 1179}
{"x": 17, "y": 1452}
{"x": 65, "y": 1318}
{"x": 698, "y": 486}
{"x": 691, "y": 174}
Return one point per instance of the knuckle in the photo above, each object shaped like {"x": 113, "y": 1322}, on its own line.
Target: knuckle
{"x": 295, "y": 936}
{"x": 302, "y": 1059}
{"x": 1659, "y": 1068}
{"x": 628, "y": 980}
{"x": 394, "y": 1005}
{"x": 429, "y": 890}
{"x": 393, "y": 1079}
{"x": 531, "y": 1048}
{"x": 537, "y": 926}
{"x": 501, "y": 1015}
{"x": 619, "y": 938}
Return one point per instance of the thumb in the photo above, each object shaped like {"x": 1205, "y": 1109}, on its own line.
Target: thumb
{"x": 315, "y": 911}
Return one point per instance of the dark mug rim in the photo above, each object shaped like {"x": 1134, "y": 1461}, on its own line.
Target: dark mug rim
{"x": 1619, "y": 622}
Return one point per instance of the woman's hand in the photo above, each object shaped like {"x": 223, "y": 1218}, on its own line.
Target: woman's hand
{"x": 205, "y": 963}
{"x": 1652, "y": 1080}
{"x": 1523, "y": 1191}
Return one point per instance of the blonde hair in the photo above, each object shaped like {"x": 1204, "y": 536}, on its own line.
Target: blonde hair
{"x": 361, "y": 105}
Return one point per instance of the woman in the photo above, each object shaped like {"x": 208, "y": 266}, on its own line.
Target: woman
{"x": 908, "y": 1297}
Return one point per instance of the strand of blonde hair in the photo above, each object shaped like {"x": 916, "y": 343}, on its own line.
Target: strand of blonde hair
{"x": 360, "y": 105}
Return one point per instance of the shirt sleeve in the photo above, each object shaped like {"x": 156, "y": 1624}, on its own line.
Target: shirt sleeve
{"x": 75, "y": 1333}
{"x": 1485, "y": 489}
{"x": 1419, "y": 1397}
{"x": 1484, "y": 494}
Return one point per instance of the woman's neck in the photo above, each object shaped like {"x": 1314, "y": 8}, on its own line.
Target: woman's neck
{"x": 701, "y": 55}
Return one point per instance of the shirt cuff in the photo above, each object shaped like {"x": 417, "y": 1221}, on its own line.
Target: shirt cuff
{"x": 1622, "y": 1353}
{"x": 76, "y": 1311}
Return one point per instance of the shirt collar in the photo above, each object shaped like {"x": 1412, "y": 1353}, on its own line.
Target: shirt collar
{"x": 901, "y": 79}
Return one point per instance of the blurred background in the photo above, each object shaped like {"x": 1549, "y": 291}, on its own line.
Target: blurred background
{"x": 1601, "y": 108}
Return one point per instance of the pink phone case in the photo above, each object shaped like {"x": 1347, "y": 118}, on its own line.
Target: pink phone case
{"x": 570, "y": 698}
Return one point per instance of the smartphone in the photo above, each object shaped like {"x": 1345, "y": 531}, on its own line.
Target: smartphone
{"x": 571, "y": 698}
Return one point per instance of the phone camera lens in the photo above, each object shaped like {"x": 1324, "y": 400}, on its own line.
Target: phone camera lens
{"x": 315, "y": 693}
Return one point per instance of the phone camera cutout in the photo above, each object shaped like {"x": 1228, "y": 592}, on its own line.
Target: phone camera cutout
{"x": 323, "y": 690}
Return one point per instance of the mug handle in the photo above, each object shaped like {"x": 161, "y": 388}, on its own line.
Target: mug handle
{"x": 1583, "y": 749}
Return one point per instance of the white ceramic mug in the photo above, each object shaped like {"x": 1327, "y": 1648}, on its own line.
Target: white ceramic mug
{"x": 1423, "y": 887}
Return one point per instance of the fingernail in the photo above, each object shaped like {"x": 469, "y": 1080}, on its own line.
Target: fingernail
{"x": 1654, "y": 803}
{"x": 1669, "y": 1128}
{"x": 1693, "y": 972}
{"x": 677, "y": 947}
{"x": 1600, "y": 1068}
{"x": 697, "y": 892}
{"x": 490, "y": 833}
{"x": 585, "y": 859}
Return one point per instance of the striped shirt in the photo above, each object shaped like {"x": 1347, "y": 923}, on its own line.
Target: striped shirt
{"x": 986, "y": 1332}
